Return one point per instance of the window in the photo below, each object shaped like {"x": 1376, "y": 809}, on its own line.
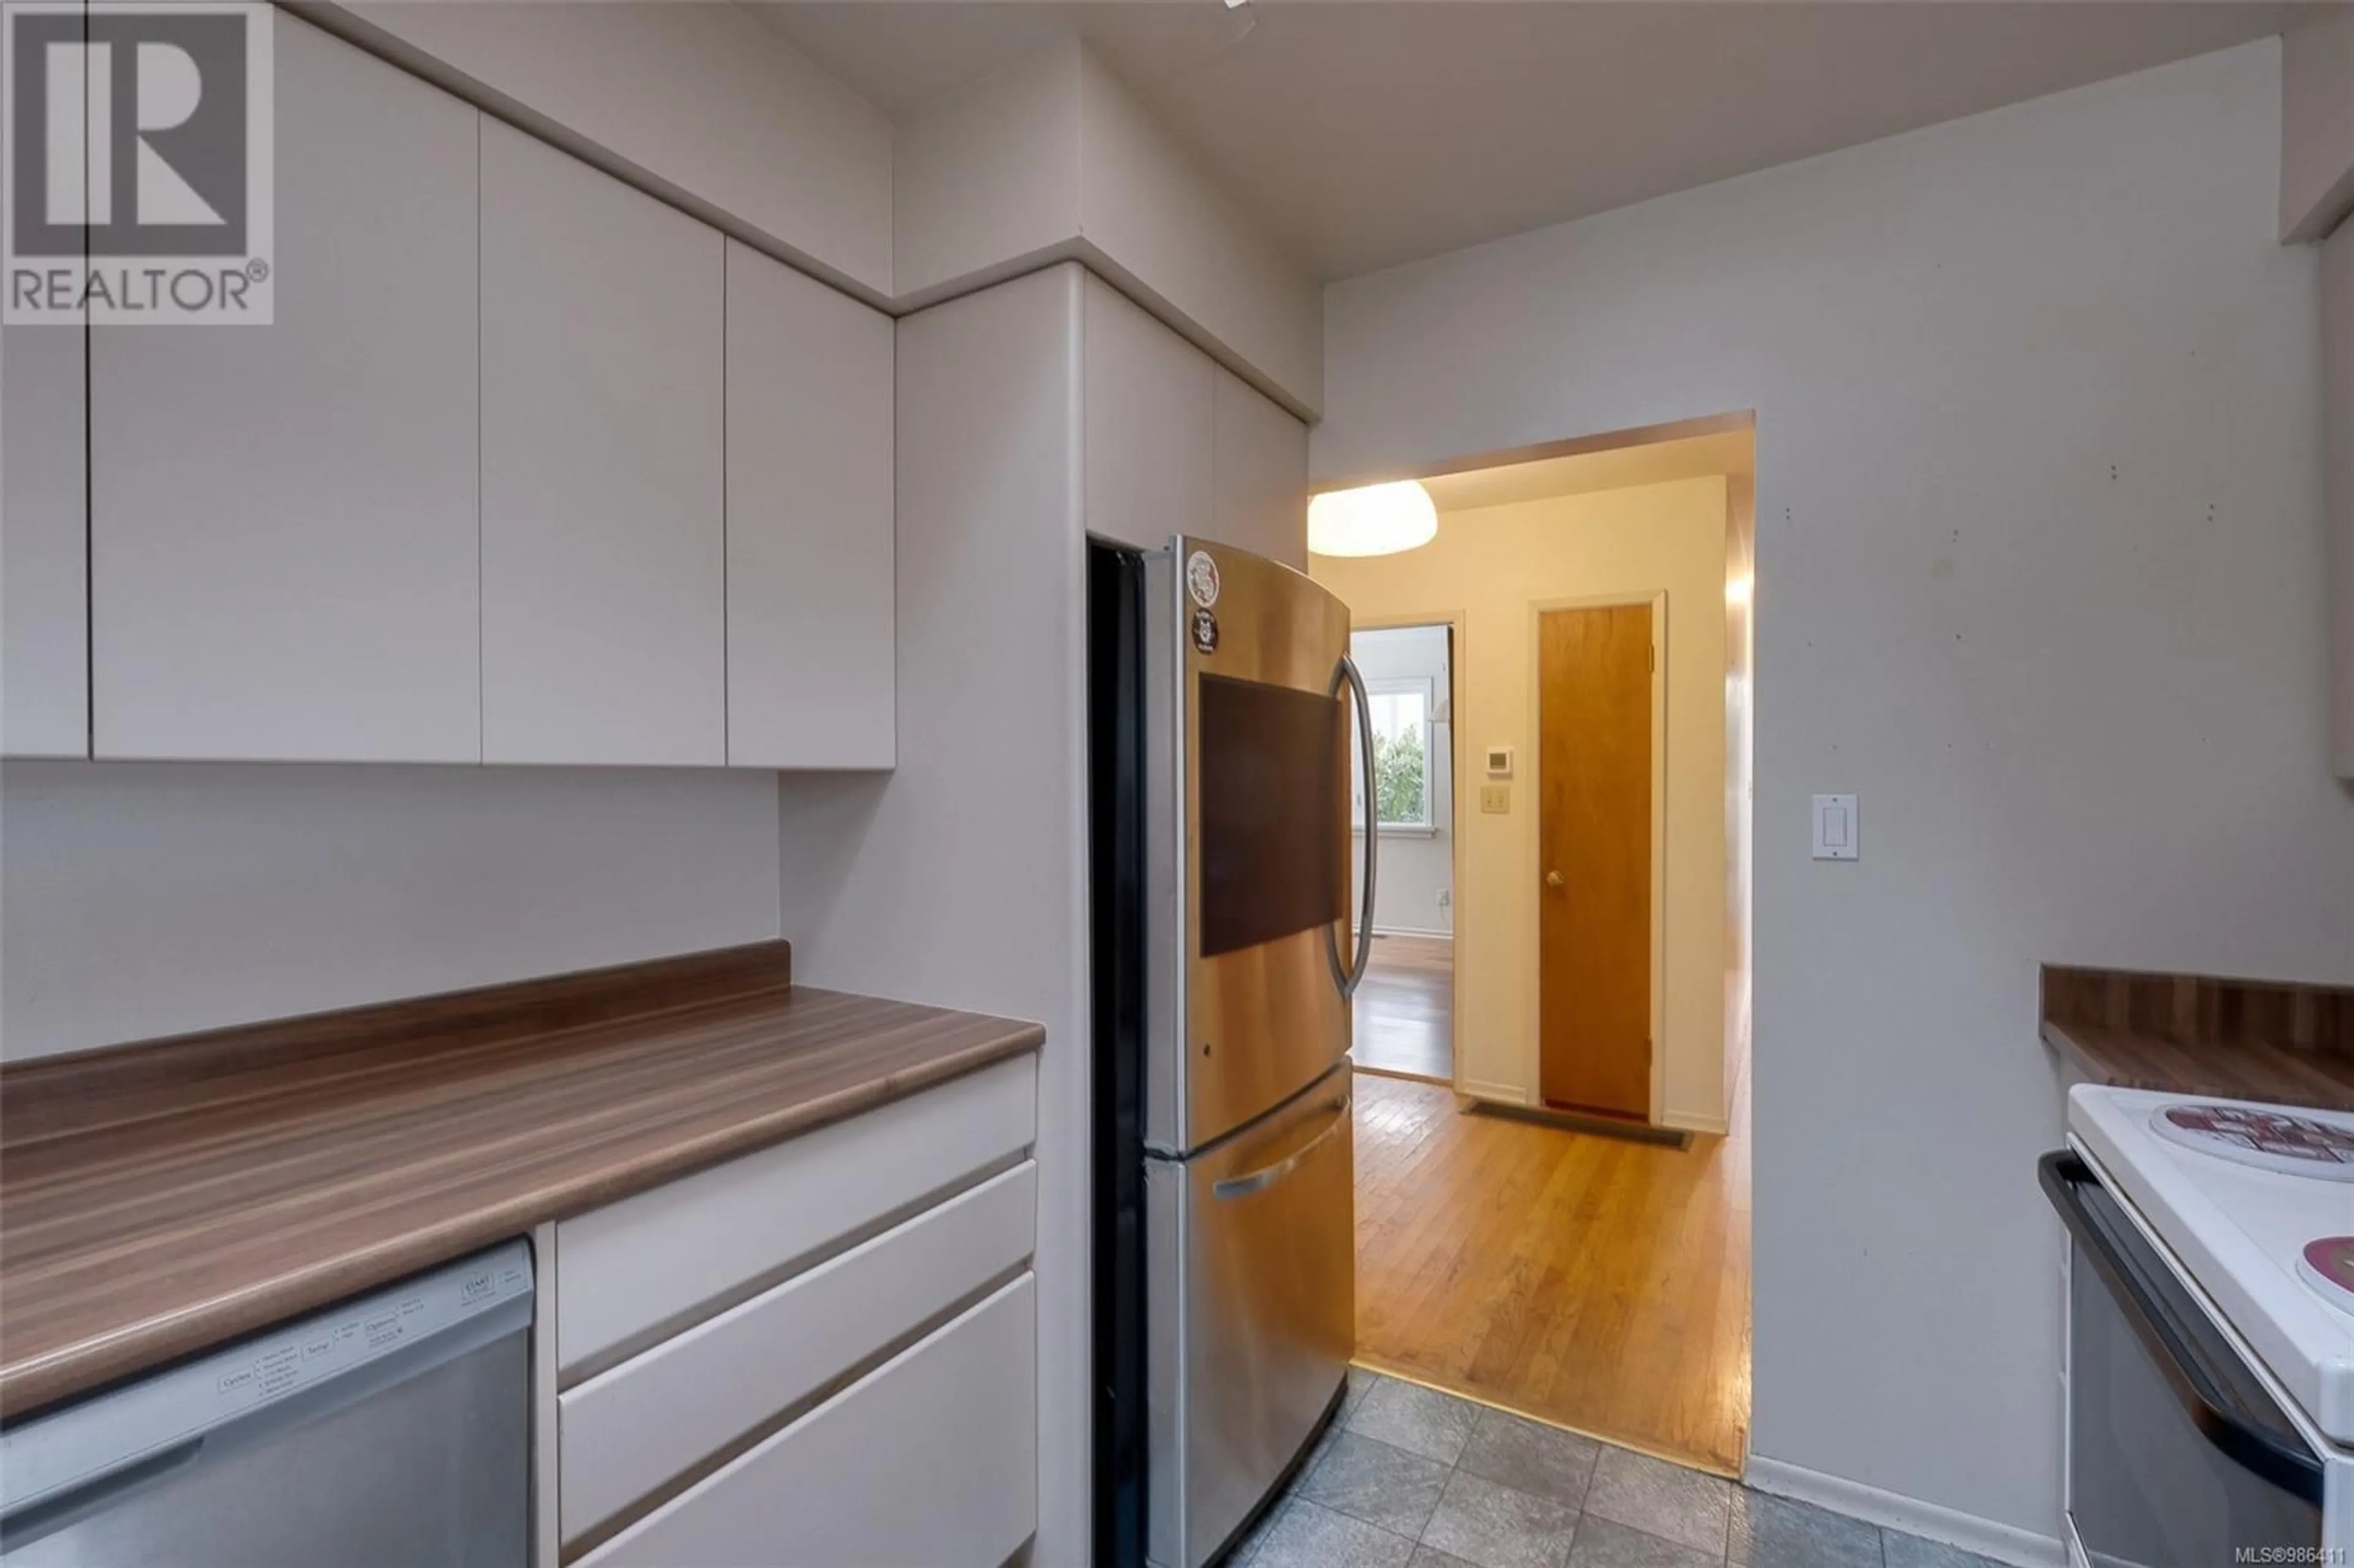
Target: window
{"x": 1402, "y": 747}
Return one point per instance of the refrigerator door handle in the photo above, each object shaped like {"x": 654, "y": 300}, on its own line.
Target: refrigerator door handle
{"x": 1266, "y": 1176}
{"x": 1348, "y": 979}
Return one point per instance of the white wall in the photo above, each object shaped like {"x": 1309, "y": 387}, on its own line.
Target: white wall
{"x": 1492, "y": 565}
{"x": 1740, "y": 734}
{"x": 2040, "y": 576}
{"x": 2316, "y": 171}
{"x": 985, "y": 177}
{"x": 1415, "y": 891}
{"x": 958, "y": 879}
{"x": 1154, "y": 223}
{"x": 961, "y": 877}
{"x": 697, "y": 100}
{"x": 145, "y": 899}
{"x": 2337, "y": 358}
{"x": 1052, "y": 158}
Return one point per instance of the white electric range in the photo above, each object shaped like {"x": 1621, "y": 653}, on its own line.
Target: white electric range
{"x": 2211, "y": 1330}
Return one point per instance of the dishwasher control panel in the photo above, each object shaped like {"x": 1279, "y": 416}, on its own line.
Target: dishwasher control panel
{"x": 153, "y": 1419}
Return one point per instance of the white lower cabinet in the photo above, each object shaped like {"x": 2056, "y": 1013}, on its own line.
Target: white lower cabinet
{"x": 648, "y": 1266}
{"x": 931, "y": 1460}
{"x": 640, "y": 1425}
{"x": 821, "y": 1353}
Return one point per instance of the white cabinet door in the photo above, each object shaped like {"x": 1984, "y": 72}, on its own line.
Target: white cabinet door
{"x": 810, "y": 660}
{"x": 43, "y": 536}
{"x": 625, "y": 1434}
{"x": 1147, "y": 425}
{"x": 283, "y": 532}
{"x": 603, "y": 590}
{"x": 931, "y": 1460}
{"x": 1261, "y": 467}
{"x": 635, "y": 1269}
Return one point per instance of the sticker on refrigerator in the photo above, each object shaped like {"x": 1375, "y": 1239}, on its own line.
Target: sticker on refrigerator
{"x": 1202, "y": 578}
{"x": 1205, "y": 632}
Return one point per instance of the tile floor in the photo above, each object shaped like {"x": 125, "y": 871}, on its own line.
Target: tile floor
{"x": 1410, "y": 1477}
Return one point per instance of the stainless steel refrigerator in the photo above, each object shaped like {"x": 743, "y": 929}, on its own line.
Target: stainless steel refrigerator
{"x": 1225, "y": 954}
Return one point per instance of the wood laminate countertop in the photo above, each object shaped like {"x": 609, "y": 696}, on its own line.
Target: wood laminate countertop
{"x": 2232, "y": 1072}
{"x": 2195, "y": 1034}
{"x": 160, "y": 1198}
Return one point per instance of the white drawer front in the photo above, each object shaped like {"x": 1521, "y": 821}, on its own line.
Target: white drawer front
{"x": 629, "y": 1430}
{"x": 931, "y": 1461}
{"x": 650, "y": 1262}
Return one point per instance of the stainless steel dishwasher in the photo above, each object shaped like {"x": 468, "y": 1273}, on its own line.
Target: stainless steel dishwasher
{"x": 391, "y": 1431}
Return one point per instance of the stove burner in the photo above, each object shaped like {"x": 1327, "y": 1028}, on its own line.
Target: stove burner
{"x": 2270, "y": 1141}
{"x": 2328, "y": 1266}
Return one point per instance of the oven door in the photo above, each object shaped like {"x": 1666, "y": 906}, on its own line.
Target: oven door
{"x": 2179, "y": 1456}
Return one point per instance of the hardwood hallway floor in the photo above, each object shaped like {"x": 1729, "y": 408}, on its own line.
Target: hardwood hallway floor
{"x": 1591, "y": 1281}
{"x": 1406, "y": 1007}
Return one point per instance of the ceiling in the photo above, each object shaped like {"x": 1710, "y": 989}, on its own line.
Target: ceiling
{"x": 1730, "y": 452}
{"x": 1364, "y": 133}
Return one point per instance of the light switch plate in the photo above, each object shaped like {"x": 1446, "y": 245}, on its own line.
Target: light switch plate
{"x": 1495, "y": 799}
{"x": 1500, "y": 762}
{"x": 1838, "y": 829}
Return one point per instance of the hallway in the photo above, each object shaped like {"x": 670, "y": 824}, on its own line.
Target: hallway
{"x": 1593, "y": 1281}
{"x": 1405, "y": 1009}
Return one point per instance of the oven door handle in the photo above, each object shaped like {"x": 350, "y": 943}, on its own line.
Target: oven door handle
{"x": 2212, "y": 1411}
{"x": 1346, "y": 673}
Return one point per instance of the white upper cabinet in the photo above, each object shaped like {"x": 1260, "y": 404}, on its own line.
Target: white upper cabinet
{"x": 1148, "y": 442}
{"x": 1177, "y": 443}
{"x": 282, "y": 538}
{"x": 809, "y": 593}
{"x": 1260, "y": 475}
{"x": 44, "y": 598}
{"x": 603, "y": 551}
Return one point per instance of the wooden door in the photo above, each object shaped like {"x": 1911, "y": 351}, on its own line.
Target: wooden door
{"x": 1594, "y": 789}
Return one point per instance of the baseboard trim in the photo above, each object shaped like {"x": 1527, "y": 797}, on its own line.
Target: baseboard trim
{"x": 1502, "y": 1094}
{"x": 1986, "y": 1537}
{"x": 1582, "y": 1121}
{"x": 1412, "y": 931}
{"x": 1714, "y": 1126}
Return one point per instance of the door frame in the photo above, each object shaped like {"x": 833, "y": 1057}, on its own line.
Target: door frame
{"x": 1532, "y": 834}
{"x": 1455, "y": 621}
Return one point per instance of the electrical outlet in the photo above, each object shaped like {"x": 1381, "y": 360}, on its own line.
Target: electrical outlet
{"x": 1446, "y": 898}
{"x": 1495, "y": 799}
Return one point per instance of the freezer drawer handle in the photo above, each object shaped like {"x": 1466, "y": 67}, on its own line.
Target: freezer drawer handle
{"x": 1259, "y": 1181}
{"x": 1346, "y": 673}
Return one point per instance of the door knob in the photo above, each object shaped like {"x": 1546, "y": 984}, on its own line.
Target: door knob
{"x": 1552, "y": 879}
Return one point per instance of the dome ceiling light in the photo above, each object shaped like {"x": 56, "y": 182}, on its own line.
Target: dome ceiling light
{"x": 1372, "y": 520}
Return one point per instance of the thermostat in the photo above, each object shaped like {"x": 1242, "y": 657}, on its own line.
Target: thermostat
{"x": 1500, "y": 762}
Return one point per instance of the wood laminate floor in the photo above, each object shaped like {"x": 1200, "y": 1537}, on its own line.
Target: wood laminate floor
{"x": 1406, "y": 1007}
{"x": 1590, "y": 1281}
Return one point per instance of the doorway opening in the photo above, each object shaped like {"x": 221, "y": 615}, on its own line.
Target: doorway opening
{"x": 1559, "y": 1226}
{"x": 1405, "y": 1008}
